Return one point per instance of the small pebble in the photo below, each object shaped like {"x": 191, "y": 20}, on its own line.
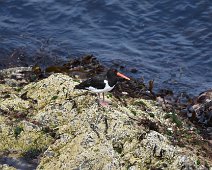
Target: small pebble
{"x": 125, "y": 93}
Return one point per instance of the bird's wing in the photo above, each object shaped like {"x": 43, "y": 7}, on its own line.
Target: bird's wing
{"x": 94, "y": 82}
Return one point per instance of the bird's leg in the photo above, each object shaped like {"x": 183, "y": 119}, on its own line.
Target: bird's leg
{"x": 99, "y": 99}
{"x": 103, "y": 97}
{"x": 103, "y": 102}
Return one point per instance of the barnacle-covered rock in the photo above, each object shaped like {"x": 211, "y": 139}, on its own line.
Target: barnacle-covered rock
{"x": 72, "y": 131}
{"x": 20, "y": 139}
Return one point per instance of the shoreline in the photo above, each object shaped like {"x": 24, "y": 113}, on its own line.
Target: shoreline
{"x": 21, "y": 58}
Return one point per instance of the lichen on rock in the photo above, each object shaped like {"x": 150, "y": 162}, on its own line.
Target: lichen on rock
{"x": 18, "y": 138}
{"x": 72, "y": 131}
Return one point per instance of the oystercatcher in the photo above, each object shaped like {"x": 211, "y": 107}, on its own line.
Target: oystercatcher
{"x": 101, "y": 84}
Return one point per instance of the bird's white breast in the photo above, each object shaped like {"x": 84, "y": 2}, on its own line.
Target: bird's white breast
{"x": 106, "y": 88}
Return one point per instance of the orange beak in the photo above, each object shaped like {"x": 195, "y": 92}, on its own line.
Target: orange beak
{"x": 123, "y": 76}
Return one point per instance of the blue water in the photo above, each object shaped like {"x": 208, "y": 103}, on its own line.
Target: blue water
{"x": 168, "y": 41}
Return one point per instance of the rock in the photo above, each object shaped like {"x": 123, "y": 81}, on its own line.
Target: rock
{"x": 15, "y": 163}
{"x": 159, "y": 146}
{"x": 6, "y": 167}
{"x": 14, "y": 103}
{"x": 72, "y": 131}
{"x": 16, "y": 76}
{"x": 20, "y": 141}
{"x": 202, "y": 108}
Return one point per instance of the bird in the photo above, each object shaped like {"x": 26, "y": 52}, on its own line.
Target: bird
{"x": 102, "y": 84}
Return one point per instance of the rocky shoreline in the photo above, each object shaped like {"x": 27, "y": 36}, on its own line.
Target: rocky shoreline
{"x": 46, "y": 124}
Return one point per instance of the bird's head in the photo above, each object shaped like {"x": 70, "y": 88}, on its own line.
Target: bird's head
{"x": 114, "y": 72}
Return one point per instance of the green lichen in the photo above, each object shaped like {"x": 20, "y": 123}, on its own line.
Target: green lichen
{"x": 198, "y": 162}
{"x": 18, "y": 89}
{"x": 174, "y": 118}
{"x": 134, "y": 112}
{"x": 20, "y": 139}
{"x": 109, "y": 95}
{"x": 140, "y": 103}
{"x": 151, "y": 114}
{"x": 168, "y": 132}
{"x": 17, "y": 131}
{"x": 54, "y": 97}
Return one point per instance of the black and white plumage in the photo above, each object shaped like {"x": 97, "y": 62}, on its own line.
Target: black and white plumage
{"x": 102, "y": 83}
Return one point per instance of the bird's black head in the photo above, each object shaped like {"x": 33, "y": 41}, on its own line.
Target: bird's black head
{"x": 112, "y": 72}
{"x": 113, "y": 75}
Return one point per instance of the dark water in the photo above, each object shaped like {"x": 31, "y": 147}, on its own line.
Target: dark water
{"x": 168, "y": 41}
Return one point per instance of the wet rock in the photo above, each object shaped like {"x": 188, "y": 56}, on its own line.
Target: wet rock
{"x": 18, "y": 76}
{"x": 201, "y": 109}
{"x": 84, "y": 67}
{"x": 10, "y": 163}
